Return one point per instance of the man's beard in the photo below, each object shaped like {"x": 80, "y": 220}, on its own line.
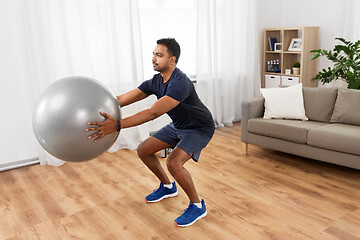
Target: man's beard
{"x": 156, "y": 67}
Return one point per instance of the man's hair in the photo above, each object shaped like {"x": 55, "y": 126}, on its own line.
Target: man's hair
{"x": 172, "y": 46}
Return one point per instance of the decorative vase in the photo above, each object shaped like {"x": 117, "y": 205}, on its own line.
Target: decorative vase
{"x": 296, "y": 71}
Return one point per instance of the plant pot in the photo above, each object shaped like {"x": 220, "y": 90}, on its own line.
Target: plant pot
{"x": 296, "y": 71}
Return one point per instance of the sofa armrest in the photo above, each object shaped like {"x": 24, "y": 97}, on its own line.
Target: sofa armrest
{"x": 253, "y": 108}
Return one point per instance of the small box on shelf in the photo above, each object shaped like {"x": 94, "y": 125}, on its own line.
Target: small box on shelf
{"x": 289, "y": 81}
{"x": 272, "y": 81}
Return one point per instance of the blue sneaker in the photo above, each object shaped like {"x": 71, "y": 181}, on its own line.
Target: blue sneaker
{"x": 191, "y": 215}
{"x": 161, "y": 193}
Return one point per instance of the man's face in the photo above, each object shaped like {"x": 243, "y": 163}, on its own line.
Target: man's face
{"x": 161, "y": 59}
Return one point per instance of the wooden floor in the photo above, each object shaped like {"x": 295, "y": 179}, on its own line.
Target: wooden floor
{"x": 266, "y": 195}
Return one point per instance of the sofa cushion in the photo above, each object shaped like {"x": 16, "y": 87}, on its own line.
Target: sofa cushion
{"x": 347, "y": 107}
{"x": 290, "y": 130}
{"x": 319, "y": 103}
{"x": 284, "y": 102}
{"x": 336, "y": 137}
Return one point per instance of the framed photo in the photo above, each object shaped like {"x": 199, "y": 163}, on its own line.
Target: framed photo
{"x": 278, "y": 47}
{"x": 295, "y": 45}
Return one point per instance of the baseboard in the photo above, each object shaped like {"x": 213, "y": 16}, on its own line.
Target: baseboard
{"x": 17, "y": 164}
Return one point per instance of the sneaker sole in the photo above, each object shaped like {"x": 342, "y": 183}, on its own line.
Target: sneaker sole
{"x": 163, "y": 197}
{"x": 189, "y": 224}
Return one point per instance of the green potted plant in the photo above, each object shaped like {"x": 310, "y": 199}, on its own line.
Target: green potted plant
{"x": 296, "y": 68}
{"x": 346, "y": 60}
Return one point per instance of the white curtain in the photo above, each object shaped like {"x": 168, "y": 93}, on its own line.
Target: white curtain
{"x": 348, "y": 20}
{"x": 226, "y": 56}
{"x": 347, "y": 27}
{"x": 42, "y": 41}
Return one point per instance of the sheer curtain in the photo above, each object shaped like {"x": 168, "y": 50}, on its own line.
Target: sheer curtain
{"x": 226, "y": 56}
{"x": 348, "y": 20}
{"x": 347, "y": 26}
{"x": 49, "y": 40}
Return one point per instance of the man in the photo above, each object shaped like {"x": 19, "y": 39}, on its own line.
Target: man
{"x": 191, "y": 129}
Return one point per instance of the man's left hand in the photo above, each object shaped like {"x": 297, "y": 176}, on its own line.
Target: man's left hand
{"x": 104, "y": 128}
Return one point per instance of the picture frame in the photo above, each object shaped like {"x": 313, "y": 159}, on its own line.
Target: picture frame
{"x": 278, "y": 47}
{"x": 295, "y": 45}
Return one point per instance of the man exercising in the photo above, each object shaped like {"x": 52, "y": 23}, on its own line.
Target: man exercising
{"x": 191, "y": 129}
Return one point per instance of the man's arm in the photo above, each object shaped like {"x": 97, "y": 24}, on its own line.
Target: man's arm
{"x": 161, "y": 106}
{"x": 131, "y": 97}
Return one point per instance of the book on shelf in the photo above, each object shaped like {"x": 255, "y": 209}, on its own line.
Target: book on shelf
{"x": 272, "y": 42}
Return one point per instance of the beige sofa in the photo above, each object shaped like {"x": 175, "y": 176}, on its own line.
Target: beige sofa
{"x": 332, "y": 133}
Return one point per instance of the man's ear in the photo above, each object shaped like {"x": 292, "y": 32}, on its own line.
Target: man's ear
{"x": 172, "y": 60}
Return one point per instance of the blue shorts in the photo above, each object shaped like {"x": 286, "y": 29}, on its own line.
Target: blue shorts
{"x": 192, "y": 141}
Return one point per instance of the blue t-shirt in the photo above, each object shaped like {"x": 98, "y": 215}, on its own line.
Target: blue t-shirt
{"x": 190, "y": 113}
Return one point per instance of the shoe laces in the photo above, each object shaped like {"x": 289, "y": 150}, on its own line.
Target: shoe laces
{"x": 191, "y": 205}
{"x": 157, "y": 189}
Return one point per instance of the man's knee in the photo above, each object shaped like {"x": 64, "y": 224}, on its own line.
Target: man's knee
{"x": 142, "y": 150}
{"x": 176, "y": 160}
{"x": 148, "y": 147}
{"x": 173, "y": 165}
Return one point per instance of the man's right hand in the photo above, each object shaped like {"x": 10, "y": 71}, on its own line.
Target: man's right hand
{"x": 108, "y": 126}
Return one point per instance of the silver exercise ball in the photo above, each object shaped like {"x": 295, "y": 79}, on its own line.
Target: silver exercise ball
{"x": 62, "y": 113}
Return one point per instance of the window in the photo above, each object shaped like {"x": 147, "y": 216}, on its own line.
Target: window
{"x": 169, "y": 18}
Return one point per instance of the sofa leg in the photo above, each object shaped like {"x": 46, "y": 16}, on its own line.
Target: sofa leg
{"x": 244, "y": 148}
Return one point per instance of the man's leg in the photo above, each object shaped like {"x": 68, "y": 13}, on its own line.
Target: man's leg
{"x": 175, "y": 163}
{"x": 146, "y": 151}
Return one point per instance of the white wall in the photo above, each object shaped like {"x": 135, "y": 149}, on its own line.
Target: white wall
{"x": 294, "y": 13}
{"x": 309, "y": 13}
{"x": 269, "y": 14}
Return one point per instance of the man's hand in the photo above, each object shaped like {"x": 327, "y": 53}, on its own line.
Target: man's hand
{"x": 104, "y": 128}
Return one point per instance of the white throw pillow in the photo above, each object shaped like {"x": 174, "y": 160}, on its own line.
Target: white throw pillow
{"x": 284, "y": 102}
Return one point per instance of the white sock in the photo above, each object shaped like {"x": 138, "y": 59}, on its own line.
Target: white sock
{"x": 168, "y": 185}
{"x": 199, "y": 205}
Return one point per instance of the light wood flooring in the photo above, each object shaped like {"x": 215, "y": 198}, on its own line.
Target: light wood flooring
{"x": 265, "y": 195}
